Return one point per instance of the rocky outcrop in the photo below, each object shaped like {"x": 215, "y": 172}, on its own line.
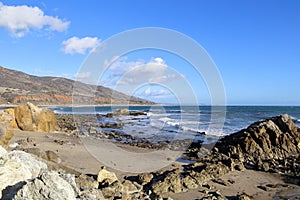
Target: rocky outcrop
{"x": 269, "y": 145}
{"x": 112, "y": 188}
{"x": 17, "y": 166}
{"x": 47, "y": 185}
{"x": 31, "y": 118}
{"x": 22, "y": 176}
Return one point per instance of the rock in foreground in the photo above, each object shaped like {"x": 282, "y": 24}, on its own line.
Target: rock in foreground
{"x": 269, "y": 145}
{"x": 24, "y": 177}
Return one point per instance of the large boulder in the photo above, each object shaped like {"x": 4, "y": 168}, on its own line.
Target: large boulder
{"x": 269, "y": 145}
{"x": 31, "y": 118}
{"x": 22, "y": 176}
{"x": 17, "y": 166}
{"x": 48, "y": 185}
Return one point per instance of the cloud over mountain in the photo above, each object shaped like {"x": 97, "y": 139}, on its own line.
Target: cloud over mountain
{"x": 19, "y": 20}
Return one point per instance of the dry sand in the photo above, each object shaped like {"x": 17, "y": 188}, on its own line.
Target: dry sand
{"x": 75, "y": 155}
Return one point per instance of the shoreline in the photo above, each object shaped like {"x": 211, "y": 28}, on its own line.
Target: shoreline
{"x": 75, "y": 156}
{"x": 252, "y": 163}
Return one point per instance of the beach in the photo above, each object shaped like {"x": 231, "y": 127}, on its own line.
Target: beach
{"x": 74, "y": 155}
{"x": 240, "y": 165}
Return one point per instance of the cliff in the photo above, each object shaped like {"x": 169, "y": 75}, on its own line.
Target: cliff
{"x": 18, "y": 87}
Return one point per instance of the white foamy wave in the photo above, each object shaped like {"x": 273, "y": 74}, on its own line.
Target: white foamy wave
{"x": 169, "y": 121}
{"x": 151, "y": 114}
{"x": 216, "y": 133}
{"x": 184, "y": 128}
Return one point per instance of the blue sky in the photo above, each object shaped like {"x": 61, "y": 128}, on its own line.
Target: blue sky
{"x": 254, "y": 44}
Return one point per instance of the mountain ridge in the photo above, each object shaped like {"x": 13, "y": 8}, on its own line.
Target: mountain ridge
{"x": 17, "y": 87}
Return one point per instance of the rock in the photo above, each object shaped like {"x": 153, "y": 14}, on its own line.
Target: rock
{"x": 52, "y": 156}
{"x": 31, "y": 118}
{"x": 124, "y": 190}
{"x": 86, "y": 182}
{"x": 5, "y": 135}
{"x": 243, "y": 196}
{"x": 113, "y": 190}
{"x": 170, "y": 183}
{"x": 18, "y": 166}
{"x": 122, "y": 111}
{"x": 214, "y": 195}
{"x": 48, "y": 185}
{"x": 268, "y": 145}
{"x": 11, "y": 112}
{"x": 144, "y": 179}
{"x": 129, "y": 188}
{"x": 47, "y": 121}
{"x": 189, "y": 182}
{"x": 24, "y": 177}
{"x": 6, "y": 118}
{"x": 91, "y": 194}
{"x": 107, "y": 176}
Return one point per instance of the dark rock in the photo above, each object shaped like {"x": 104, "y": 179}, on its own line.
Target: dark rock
{"x": 272, "y": 144}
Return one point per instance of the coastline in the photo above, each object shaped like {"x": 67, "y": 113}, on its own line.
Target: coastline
{"x": 75, "y": 156}
{"x": 250, "y": 163}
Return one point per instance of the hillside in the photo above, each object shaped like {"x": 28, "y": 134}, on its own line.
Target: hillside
{"x": 17, "y": 87}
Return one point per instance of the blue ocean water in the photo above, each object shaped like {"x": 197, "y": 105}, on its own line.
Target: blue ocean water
{"x": 185, "y": 122}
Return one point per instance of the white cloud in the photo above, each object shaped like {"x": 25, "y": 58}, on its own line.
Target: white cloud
{"x": 80, "y": 45}
{"x": 122, "y": 72}
{"x": 19, "y": 20}
{"x": 156, "y": 94}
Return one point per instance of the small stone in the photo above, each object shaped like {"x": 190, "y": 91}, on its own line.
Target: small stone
{"x": 104, "y": 175}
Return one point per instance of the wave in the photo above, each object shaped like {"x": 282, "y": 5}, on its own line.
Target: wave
{"x": 295, "y": 119}
{"x": 151, "y": 114}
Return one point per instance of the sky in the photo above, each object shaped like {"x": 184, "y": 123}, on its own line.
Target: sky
{"x": 255, "y": 46}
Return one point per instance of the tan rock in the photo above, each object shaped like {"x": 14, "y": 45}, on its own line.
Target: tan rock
{"x": 86, "y": 182}
{"x": 11, "y": 111}
{"x": 129, "y": 188}
{"x": 5, "y": 135}
{"x": 144, "y": 179}
{"x": 31, "y": 118}
{"x": 107, "y": 176}
{"x": 46, "y": 121}
{"x": 53, "y": 157}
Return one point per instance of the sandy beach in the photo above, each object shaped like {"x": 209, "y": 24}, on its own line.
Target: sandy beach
{"x": 74, "y": 155}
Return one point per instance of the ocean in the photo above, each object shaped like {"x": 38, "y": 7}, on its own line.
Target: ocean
{"x": 166, "y": 123}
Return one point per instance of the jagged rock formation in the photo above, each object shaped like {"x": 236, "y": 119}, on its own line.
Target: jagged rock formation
{"x": 22, "y": 176}
{"x": 55, "y": 91}
{"x": 16, "y": 167}
{"x": 269, "y": 145}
